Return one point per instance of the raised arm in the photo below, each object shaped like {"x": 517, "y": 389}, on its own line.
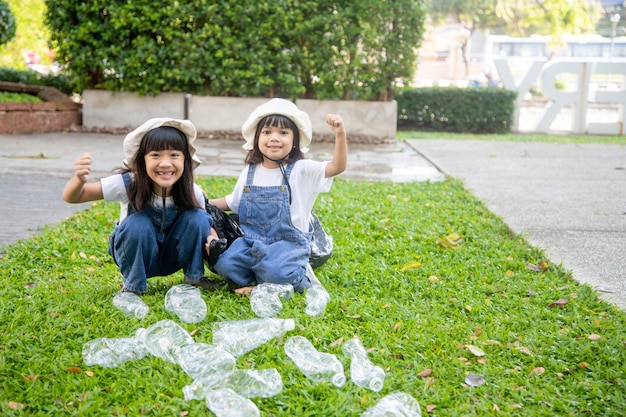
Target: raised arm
{"x": 339, "y": 160}
{"x": 77, "y": 189}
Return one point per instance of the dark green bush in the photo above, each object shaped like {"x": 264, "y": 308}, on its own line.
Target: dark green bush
{"x": 322, "y": 49}
{"x": 60, "y": 82}
{"x": 452, "y": 109}
{"x": 7, "y": 23}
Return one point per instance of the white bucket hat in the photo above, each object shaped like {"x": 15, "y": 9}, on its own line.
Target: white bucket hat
{"x": 280, "y": 107}
{"x": 133, "y": 139}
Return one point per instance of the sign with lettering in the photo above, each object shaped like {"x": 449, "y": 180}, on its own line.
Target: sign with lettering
{"x": 547, "y": 73}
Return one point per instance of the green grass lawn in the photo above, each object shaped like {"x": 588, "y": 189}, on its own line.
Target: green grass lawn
{"x": 514, "y": 137}
{"x": 429, "y": 314}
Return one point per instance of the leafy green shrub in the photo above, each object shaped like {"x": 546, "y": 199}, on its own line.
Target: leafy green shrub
{"x": 7, "y": 23}
{"x": 324, "y": 49}
{"x": 9, "y": 97}
{"x": 60, "y": 82}
{"x": 452, "y": 109}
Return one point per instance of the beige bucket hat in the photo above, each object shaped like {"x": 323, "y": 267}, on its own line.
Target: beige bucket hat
{"x": 133, "y": 139}
{"x": 284, "y": 108}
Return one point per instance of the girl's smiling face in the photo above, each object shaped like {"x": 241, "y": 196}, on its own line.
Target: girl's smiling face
{"x": 164, "y": 168}
{"x": 275, "y": 143}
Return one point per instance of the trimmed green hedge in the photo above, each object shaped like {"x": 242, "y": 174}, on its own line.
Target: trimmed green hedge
{"x": 318, "y": 49}
{"x": 60, "y": 82}
{"x": 452, "y": 109}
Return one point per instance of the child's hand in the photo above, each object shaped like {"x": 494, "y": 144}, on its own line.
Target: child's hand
{"x": 82, "y": 167}
{"x": 335, "y": 122}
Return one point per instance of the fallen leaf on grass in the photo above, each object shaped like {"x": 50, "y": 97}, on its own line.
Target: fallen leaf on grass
{"x": 13, "y": 405}
{"x": 397, "y": 326}
{"x": 452, "y": 241}
{"x": 337, "y": 342}
{"x": 539, "y": 370}
{"x": 561, "y": 302}
{"x": 594, "y": 336}
{"x": 475, "y": 350}
{"x": 355, "y": 316}
{"x": 30, "y": 378}
{"x": 425, "y": 373}
{"x": 411, "y": 265}
{"x": 74, "y": 370}
{"x": 243, "y": 291}
{"x": 533, "y": 267}
{"x": 584, "y": 365}
{"x": 430, "y": 408}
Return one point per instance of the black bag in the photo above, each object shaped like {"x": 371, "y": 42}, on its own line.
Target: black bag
{"x": 227, "y": 229}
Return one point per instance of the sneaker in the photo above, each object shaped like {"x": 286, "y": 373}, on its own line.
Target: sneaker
{"x": 205, "y": 283}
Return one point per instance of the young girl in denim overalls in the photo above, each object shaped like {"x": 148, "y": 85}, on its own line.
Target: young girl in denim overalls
{"x": 274, "y": 196}
{"x": 163, "y": 225}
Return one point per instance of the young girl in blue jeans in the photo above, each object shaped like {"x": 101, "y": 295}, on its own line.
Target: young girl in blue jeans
{"x": 274, "y": 196}
{"x": 163, "y": 225}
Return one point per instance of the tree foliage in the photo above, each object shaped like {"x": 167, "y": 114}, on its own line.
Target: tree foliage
{"x": 31, "y": 35}
{"x": 7, "y": 23}
{"x": 315, "y": 49}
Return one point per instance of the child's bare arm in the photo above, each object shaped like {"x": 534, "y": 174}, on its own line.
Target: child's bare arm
{"x": 339, "y": 160}
{"x": 77, "y": 189}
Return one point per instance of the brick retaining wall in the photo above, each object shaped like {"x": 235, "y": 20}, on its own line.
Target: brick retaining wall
{"x": 56, "y": 114}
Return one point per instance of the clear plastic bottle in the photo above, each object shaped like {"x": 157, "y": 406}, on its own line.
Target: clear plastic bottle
{"x": 165, "y": 339}
{"x": 241, "y": 336}
{"x": 198, "y": 359}
{"x": 130, "y": 304}
{"x": 362, "y": 371}
{"x": 265, "y": 298}
{"x": 109, "y": 352}
{"x": 397, "y": 404}
{"x": 317, "y": 366}
{"x": 186, "y": 302}
{"x": 316, "y": 300}
{"x": 249, "y": 383}
{"x": 227, "y": 403}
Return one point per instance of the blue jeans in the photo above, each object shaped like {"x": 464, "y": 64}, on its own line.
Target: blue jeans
{"x": 142, "y": 251}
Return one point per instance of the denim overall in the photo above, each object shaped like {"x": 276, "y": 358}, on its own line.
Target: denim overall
{"x": 272, "y": 248}
{"x": 147, "y": 244}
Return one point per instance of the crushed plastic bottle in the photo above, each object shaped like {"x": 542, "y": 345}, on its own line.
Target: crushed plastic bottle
{"x": 198, "y": 359}
{"x": 241, "y": 336}
{"x": 397, "y": 404}
{"x": 110, "y": 352}
{"x": 227, "y": 403}
{"x": 165, "y": 339}
{"x": 317, "y": 366}
{"x": 186, "y": 302}
{"x": 265, "y": 298}
{"x": 362, "y": 371}
{"x": 248, "y": 383}
{"x": 316, "y": 300}
{"x": 130, "y": 304}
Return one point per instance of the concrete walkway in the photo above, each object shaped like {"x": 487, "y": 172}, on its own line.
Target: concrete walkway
{"x": 567, "y": 199}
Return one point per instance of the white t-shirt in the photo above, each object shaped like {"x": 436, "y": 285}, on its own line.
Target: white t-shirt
{"x": 307, "y": 180}
{"x": 113, "y": 189}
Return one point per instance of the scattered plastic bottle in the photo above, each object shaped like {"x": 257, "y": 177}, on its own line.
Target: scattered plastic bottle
{"x": 362, "y": 371}
{"x": 249, "y": 383}
{"x": 186, "y": 302}
{"x": 241, "y": 336}
{"x": 227, "y": 403}
{"x": 130, "y": 304}
{"x": 397, "y": 404}
{"x": 165, "y": 339}
{"x": 198, "y": 359}
{"x": 316, "y": 300}
{"x": 109, "y": 352}
{"x": 265, "y": 298}
{"x": 317, "y": 366}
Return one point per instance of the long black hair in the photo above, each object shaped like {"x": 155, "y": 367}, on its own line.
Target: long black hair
{"x": 275, "y": 120}
{"x": 161, "y": 139}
